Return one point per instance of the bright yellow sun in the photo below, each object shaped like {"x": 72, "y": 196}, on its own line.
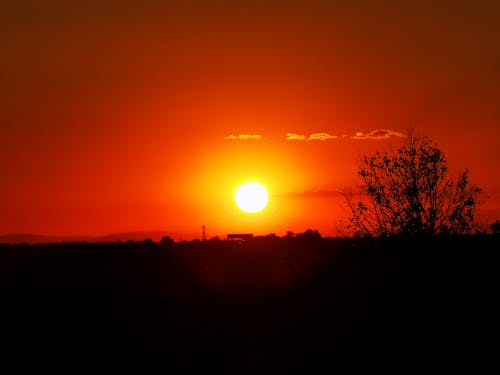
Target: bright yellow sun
{"x": 251, "y": 197}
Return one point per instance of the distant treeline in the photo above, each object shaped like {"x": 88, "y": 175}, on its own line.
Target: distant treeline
{"x": 270, "y": 304}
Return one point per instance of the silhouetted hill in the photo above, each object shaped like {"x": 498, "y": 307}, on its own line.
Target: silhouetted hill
{"x": 32, "y": 239}
{"x": 269, "y": 305}
{"x": 132, "y": 236}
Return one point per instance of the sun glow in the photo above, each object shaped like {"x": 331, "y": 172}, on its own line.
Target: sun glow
{"x": 251, "y": 197}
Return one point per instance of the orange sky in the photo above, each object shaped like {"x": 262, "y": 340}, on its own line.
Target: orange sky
{"x": 121, "y": 115}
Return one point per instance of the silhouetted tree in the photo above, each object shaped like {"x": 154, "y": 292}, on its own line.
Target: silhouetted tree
{"x": 167, "y": 241}
{"x": 410, "y": 191}
{"x": 309, "y": 234}
{"x": 495, "y": 227}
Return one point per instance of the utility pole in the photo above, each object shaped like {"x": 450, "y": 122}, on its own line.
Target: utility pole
{"x": 203, "y": 235}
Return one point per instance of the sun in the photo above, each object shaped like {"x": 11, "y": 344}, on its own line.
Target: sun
{"x": 251, "y": 197}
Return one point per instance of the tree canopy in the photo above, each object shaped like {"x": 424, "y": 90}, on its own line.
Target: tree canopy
{"x": 411, "y": 191}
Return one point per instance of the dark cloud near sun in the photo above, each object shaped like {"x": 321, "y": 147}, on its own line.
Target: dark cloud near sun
{"x": 322, "y": 193}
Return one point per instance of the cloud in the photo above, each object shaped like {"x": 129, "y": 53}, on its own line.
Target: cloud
{"x": 321, "y": 136}
{"x": 295, "y": 137}
{"x": 245, "y": 137}
{"x": 378, "y": 134}
{"x": 311, "y": 137}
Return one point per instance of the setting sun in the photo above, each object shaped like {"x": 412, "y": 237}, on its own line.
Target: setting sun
{"x": 251, "y": 197}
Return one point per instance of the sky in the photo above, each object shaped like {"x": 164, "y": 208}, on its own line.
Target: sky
{"x": 121, "y": 116}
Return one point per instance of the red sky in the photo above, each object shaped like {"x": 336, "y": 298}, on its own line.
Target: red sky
{"x": 122, "y": 115}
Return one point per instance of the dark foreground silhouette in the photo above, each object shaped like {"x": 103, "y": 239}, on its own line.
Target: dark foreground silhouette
{"x": 270, "y": 305}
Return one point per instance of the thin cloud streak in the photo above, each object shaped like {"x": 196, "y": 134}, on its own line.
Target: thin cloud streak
{"x": 378, "y": 134}
{"x": 321, "y": 137}
{"x": 295, "y": 137}
{"x": 245, "y": 137}
{"x": 311, "y": 137}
